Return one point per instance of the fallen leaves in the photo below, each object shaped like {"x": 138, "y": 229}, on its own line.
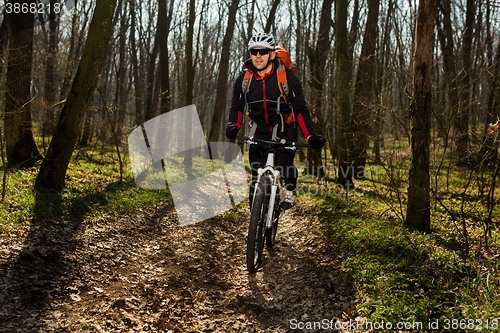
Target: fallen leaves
{"x": 145, "y": 273}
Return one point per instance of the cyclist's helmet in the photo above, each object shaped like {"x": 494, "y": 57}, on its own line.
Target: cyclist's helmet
{"x": 262, "y": 40}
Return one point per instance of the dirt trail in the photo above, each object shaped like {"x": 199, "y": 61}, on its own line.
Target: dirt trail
{"x": 144, "y": 273}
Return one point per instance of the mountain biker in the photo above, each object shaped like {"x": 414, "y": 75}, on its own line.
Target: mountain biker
{"x": 262, "y": 101}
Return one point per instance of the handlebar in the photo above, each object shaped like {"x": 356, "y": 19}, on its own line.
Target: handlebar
{"x": 282, "y": 143}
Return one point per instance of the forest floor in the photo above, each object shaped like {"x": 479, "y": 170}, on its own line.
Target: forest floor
{"x": 142, "y": 272}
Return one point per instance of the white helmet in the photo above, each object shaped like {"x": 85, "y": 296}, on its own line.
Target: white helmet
{"x": 262, "y": 40}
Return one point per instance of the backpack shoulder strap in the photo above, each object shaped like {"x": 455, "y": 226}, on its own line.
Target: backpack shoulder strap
{"x": 282, "y": 82}
{"x": 247, "y": 79}
{"x": 285, "y": 92}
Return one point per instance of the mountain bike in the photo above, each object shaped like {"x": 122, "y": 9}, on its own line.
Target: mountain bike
{"x": 266, "y": 207}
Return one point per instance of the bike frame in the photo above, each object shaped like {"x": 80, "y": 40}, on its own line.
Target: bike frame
{"x": 275, "y": 185}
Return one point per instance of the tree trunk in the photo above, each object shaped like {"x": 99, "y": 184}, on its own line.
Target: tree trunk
{"x": 299, "y": 46}
{"x": 363, "y": 91}
{"x": 50, "y": 75}
{"x": 353, "y": 36}
{"x": 343, "y": 91}
{"x": 317, "y": 59}
{"x": 447, "y": 46}
{"x": 418, "y": 210}
{"x": 188, "y": 157}
{"x": 138, "y": 82}
{"x": 149, "y": 98}
{"x": 120, "y": 97}
{"x": 380, "y": 83}
{"x": 20, "y": 143}
{"x": 220, "y": 101}
{"x": 164, "y": 20}
{"x": 462, "y": 119}
{"x": 55, "y": 164}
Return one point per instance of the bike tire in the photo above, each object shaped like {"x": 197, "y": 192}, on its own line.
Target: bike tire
{"x": 271, "y": 233}
{"x": 256, "y": 234}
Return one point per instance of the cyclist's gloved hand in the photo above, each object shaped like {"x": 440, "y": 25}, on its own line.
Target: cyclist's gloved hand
{"x": 231, "y": 131}
{"x": 316, "y": 141}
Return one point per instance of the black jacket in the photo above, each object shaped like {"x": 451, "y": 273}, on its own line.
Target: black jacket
{"x": 262, "y": 99}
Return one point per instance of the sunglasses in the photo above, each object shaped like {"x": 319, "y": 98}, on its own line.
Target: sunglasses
{"x": 262, "y": 52}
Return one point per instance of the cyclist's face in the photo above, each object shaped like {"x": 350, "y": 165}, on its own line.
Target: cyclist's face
{"x": 261, "y": 61}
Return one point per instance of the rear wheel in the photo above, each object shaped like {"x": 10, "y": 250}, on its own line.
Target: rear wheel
{"x": 256, "y": 236}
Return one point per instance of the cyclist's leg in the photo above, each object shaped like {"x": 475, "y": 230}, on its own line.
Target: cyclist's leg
{"x": 292, "y": 173}
{"x": 289, "y": 173}
{"x": 284, "y": 162}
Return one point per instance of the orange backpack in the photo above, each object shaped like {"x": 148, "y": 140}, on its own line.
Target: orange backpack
{"x": 284, "y": 56}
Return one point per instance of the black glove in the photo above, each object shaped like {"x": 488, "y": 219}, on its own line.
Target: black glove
{"x": 316, "y": 141}
{"x": 231, "y": 131}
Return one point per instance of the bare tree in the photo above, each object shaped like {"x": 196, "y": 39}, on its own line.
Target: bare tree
{"x": 343, "y": 95}
{"x": 190, "y": 76}
{"x": 317, "y": 61}
{"x": 363, "y": 91}
{"x": 20, "y": 143}
{"x": 220, "y": 102}
{"x": 418, "y": 209}
{"x": 53, "y": 169}
{"x": 164, "y": 20}
{"x": 50, "y": 72}
{"x": 462, "y": 118}
{"x": 151, "y": 94}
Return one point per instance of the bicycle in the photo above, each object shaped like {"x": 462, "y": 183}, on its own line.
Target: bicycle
{"x": 266, "y": 208}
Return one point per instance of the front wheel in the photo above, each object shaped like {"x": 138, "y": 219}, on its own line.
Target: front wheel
{"x": 256, "y": 236}
{"x": 271, "y": 232}
{"x": 277, "y": 212}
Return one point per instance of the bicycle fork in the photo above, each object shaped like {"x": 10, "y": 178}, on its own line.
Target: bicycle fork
{"x": 272, "y": 199}
{"x": 274, "y": 189}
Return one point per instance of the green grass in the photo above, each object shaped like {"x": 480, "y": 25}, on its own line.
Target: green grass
{"x": 409, "y": 276}
{"x": 93, "y": 188}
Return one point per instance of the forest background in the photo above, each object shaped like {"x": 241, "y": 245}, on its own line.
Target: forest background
{"x": 406, "y": 93}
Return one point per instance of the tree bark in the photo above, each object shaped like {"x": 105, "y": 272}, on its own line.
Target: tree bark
{"x": 418, "y": 208}
{"x": 164, "y": 20}
{"x": 188, "y": 157}
{"x": 55, "y": 164}
{"x": 343, "y": 99}
{"x": 220, "y": 101}
{"x": 353, "y": 36}
{"x": 462, "y": 119}
{"x": 120, "y": 97}
{"x": 380, "y": 82}
{"x": 50, "y": 74}
{"x": 138, "y": 82}
{"x": 317, "y": 59}
{"x": 363, "y": 91}
{"x": 20, "y": 143}
{"x": 150, "y": 110}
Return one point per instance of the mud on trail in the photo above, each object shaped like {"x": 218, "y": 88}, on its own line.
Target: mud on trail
{"x": 144, "y": 273}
